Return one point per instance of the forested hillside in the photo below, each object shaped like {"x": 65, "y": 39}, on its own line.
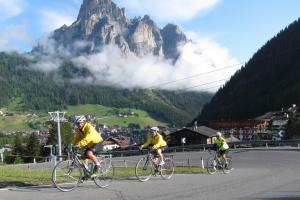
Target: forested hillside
{"x": 268, "y": 82}
{"x": 52, "y": 91}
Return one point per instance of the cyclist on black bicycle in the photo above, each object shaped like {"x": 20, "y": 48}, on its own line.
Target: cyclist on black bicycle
{"x": 87, "y": 136}
{"x": 222, "y": 146}
{"x": 157, "y": 142}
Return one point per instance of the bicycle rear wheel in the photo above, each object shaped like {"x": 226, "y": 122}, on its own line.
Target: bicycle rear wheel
{"x": 105, "y": 176}
{"x": 228, "y": 166}
{"x": 144, "y": 169}
{"x": 66, "y": 175}
{"x": 211, "y": 166}
{"x": 167, "y": 170}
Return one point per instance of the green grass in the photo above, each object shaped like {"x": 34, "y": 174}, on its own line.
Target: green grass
{"x": 19, "y": 122}
{"x": 16, "y": 176}
{"x": 108, "y": 115}
{"x": 11, "y": 176}
{"x": 104, "y": 115}
{"x": 189, "y": 170}
{"x": 13, "y": 123}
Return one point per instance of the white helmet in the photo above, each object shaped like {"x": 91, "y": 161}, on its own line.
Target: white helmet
{"x": 154, "y": 128}
{"x": 219, "y": 134}
{"x": 80, "y": 118}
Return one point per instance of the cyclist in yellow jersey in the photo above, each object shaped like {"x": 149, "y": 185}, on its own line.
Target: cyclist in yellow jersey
{"x": 87, "y": 136}
{"x": 222, "y": 146}
{"x": 157, "y": 142}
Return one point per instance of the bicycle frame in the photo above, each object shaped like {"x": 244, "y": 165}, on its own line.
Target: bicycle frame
{"x": 68, "y": 174}
{"x": 89, "y": 171}
{"x": 150, "y": 157}
{"x": 147, "y": 166}
{"x": 215, "y": 163}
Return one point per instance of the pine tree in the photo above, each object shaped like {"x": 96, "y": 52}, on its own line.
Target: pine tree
{"x": 33, "y": 146}
{"x": 18, "y": 147}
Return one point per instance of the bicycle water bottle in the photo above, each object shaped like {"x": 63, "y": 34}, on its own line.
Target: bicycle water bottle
{"x": 90, "y": 167}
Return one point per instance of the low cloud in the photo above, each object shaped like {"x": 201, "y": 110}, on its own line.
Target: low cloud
{"x": 203, "y": 65}
{"x": 10, "y": 8}
{"x": 168, "y": 10}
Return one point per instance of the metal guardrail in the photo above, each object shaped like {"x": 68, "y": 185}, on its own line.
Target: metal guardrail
{"x": 197, "y": 147}
{"x": 126, "y": 161}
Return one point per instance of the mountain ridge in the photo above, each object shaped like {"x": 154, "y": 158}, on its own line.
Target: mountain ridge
{"x": 102, "y": 22}
{"x": 268, "y": 81}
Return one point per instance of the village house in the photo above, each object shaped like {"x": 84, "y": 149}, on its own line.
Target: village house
{"x": 190, "y": 136}
{"x": 241, "y": 129}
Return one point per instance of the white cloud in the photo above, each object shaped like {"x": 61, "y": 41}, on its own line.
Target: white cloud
{"x": 47, "y": 64}
{"x": 13, "y": 36}
{"x": 10, "y": 8}
{"x": 52, "y": 20}
{"x": 168, "y": 10}
{"x": 203, "y": 65}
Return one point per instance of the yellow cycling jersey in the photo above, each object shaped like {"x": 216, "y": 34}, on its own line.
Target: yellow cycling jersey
{"x": 221, "y": 143}
{"x": 86, "y": 137}
{"x": 157, "y": 142}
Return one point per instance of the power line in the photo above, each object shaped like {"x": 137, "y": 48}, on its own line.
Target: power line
{"x": 206, "y": 83}
{"x": 189, "y": 77}
{"x": 226, "y": 67}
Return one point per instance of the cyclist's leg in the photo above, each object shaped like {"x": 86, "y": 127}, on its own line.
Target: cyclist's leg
{"x": 160, "y": 155}
{"x": 98, "y": 148}
{"x": 223, "y": 156}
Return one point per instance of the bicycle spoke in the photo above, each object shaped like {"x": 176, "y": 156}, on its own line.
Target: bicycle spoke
{"x": 211, "y": 166}
{"x": 144, "y": 169}
{"x": 167, "y": 170}
{"x": 105, "y": 175}
{"x": 66, "y": 177}
{"x": 228, "y": 166}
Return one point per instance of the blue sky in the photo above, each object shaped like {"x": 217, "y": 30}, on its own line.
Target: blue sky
{"x": 241, "y": 26}
{"x": 225, "y": 34}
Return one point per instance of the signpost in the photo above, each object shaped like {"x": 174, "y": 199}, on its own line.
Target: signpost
{"x": 58, "y": 117}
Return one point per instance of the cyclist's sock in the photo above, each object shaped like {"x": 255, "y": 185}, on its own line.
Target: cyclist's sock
{"x": 86, "y": 166}
{"x": 162, "y": 162}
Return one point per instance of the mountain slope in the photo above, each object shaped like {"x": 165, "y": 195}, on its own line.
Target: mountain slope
{"x": 52, "y": 91}
{"x": 269, "y": 81}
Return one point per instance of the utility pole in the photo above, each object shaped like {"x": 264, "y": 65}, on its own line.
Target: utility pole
{"x": 57, "y": 117}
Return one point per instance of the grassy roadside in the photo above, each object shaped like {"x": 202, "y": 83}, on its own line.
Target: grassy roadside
{"x": 15, "y": 176}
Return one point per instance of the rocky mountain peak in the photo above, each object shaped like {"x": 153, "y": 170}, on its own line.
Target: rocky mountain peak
{"x": 102, "y": 22}
{"x": 99, "y": 9}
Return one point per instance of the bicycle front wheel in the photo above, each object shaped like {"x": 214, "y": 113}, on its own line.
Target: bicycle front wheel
{"x": 66, "y": 175}
{"x": 211, "y": 166}
{"x": 144, "y": 169}
{"x": 104, "y": 177}
{"x": 227, "y": 167}
{"x": 167, "y": 170}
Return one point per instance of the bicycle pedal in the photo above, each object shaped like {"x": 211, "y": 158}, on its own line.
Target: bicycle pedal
{"x": 83, "y": 179}
{"x": 93, "y": 176}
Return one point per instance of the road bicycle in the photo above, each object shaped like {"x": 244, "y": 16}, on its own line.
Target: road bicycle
{"x": 214, "y": 163}
{"x": 68, "y": 174}
{"x": 147, "y": 166}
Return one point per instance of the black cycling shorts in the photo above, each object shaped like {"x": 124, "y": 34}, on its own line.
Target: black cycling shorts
{"x": 222, "y": 152}
{"x": 97, "y": 148}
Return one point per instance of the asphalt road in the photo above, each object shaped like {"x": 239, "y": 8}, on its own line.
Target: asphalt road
{"x": 261, "y": 175}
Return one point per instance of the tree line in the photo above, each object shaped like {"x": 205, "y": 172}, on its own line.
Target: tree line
{"x": 55, "y": 91}
{"x": 27, "y": 149}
